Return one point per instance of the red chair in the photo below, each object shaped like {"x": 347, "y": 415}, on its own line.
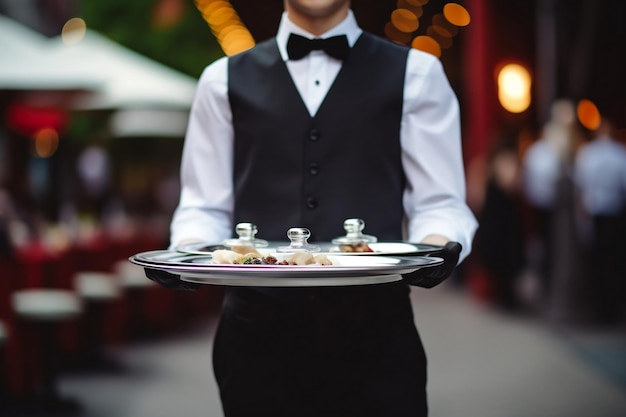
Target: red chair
{"x": 15, "y": 380}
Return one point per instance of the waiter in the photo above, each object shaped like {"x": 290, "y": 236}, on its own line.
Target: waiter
{"x": 301, "y": 133}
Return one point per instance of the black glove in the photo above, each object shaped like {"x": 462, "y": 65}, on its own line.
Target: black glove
{"x": 431, "y": 276}
{"x": 168, "y": 280}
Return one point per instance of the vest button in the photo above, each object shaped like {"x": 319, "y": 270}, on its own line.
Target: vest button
{"x": 311, "y": 202}
{"x": 314, "y": 169}
{"x": 314, "y": 135}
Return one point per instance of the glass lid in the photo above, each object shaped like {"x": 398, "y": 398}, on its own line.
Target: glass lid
{"x": 298, "y": 236}
{"x": 354, "y": 233}
{"x": 246, "y": 233}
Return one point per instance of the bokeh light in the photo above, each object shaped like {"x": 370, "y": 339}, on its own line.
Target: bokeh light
{"x": 405, "y": 20}
{"x": 392, "y": 33}
{"x": 73, "y": 31}
{"x": 439, "y": 20}
{"x": 435, "y": 32}
{"x": 427, "y": 44}
{"x": 46, "y": 142}
{"x": 514, "y": 82}
{"x": 456, "y": 14}
{"x": 588, "y": 114}
{"x": 225, "y": 24}
{"x": 412, "y": 5}
{"x": 439, "y": 35}
{"x": 167, "y": 13}
{"x": 222, "y": 17}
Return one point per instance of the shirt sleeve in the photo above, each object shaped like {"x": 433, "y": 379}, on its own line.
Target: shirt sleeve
{"x": 434, "y": 199}
{"x": 205, "y": 208}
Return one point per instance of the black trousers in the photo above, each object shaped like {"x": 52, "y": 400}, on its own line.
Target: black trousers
{"x": 609, "y": 268}
{"x": 345, "y": 351}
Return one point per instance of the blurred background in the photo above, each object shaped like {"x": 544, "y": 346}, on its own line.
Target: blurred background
{"x": 94, "y": 99}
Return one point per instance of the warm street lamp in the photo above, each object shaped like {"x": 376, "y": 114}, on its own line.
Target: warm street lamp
{"x": 514, "y": 88}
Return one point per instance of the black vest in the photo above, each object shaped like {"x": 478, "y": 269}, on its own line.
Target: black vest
{"x": 294, "y": 170}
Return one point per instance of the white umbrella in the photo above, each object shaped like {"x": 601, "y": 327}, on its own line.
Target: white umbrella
{"x": 149, "y": 98}
{"x": 149, "y": 123}
{"x": 132, "y": 81}
{"x": 28, "y": 62}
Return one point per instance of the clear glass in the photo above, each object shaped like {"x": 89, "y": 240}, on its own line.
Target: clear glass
{"x": 354, "y": 233}
{"x": 246, "y": 233}
{"x": 298, "y": 236}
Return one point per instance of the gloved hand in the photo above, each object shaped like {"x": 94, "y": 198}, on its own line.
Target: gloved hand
{"x": 168, "y": 280}
{"x": 433, "y": 275}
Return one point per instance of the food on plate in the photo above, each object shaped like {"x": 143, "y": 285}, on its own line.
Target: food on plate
{"x": 231, "y": 257}
{"x": 357, "y": 247}
{"x": 245, "y": 249}
{"x": 224, "y": 256}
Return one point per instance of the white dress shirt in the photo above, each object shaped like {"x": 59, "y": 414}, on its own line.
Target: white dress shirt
{"x": 542, "y": 167}
{"x": 434, "y": 199}
{"x": 600, "y": 175}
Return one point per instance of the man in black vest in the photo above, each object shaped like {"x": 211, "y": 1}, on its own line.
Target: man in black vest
{"x": 298, "y": 132}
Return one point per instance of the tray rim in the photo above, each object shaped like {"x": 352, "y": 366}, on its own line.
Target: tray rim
{"x": 270, "y": 281}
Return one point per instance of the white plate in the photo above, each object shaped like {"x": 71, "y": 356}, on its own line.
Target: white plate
{"x": 389, "y": 248}
{"x": 379, "y": 248}
{"x": 198, "y": 248}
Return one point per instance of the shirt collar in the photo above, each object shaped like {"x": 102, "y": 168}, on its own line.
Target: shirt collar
{"x": 348, "y": 27}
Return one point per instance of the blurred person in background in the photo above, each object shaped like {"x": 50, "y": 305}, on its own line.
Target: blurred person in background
{"x": 7, "y": 217}
{"x": 547, "y": 183}
{"x": 94, "y": 172}
{"x": 600, "y": 177}
{"x": 281, "y": 136}
{"x": 500, "y": 242}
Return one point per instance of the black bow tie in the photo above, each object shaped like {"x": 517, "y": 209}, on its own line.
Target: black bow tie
{"x": 298, "y": 46}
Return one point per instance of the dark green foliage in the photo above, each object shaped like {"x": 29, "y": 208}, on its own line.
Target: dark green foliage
{"x": 187, "y": 46}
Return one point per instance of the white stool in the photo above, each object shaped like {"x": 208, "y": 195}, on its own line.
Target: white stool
{"x": 97, "y": 286}
{"x": 46, "y": 304}
{"x": 131, "y": 275}
{"x": 98, "y": 290}
{"x": 136, "y": 287}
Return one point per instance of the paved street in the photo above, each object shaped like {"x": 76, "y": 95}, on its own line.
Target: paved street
{"x": 481, "y": 364}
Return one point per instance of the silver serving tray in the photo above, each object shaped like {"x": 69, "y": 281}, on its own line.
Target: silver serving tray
{"x": 346, "y": 270}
